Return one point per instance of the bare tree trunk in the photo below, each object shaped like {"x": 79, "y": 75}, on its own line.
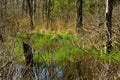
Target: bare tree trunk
{"x": 79, "y": 16}
{"x": 108, "y": 14}
{"x": 30, "y": 6}
{"x": 1, "y": 10}
{"x": 44, "y": 10}
{"x": 1, "y": 38}
{"x": 48, "y": 15}
{"x": 5, "y": 12}
{"x": 23, "y": 7}
{"x": 49, "y": 9}
{"x": 35, "y": 6}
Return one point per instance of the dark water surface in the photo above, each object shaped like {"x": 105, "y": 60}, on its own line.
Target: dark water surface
{"x": 41, "y": 73}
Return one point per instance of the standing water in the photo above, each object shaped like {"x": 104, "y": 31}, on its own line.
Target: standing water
{"x": 41, "y": 73}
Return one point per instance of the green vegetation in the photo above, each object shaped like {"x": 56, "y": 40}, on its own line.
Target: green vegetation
{"x": 49, "y": 48}
{"x": 82, "y": 37}
{"x": 58, "y": 48}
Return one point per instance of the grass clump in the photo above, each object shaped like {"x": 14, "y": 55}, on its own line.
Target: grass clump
{"x": 53, "y": 47}
{"x": 60, "y": 47}
{"x": 49, "y": 47}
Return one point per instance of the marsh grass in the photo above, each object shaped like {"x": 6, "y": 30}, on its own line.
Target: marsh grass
{"x": 59, "y": 47}
{"x": 69, "y": 51}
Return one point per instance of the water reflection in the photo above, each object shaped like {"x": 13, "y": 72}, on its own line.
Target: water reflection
{"x": 41, "y": 73}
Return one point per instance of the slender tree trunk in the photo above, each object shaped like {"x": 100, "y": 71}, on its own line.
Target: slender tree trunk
{"x": 23, "y": 7}
{"x": 49, "y": 9}
{"x": 98, "y": 13}
{"x": 44, "y": 11}
{"x": 48, "y": 16}
{"x": 108, "y": 14}
{"x": 1, "y": 10}
{"x": 79, "y": 16}
{"x": 35, "y": 6}
{"x": 5, "y": 12}
{"x": 30, "y": 6}
{"x": 1, "y": 38}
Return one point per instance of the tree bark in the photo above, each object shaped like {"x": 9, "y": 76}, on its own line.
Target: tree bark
{"x": 48, "y": 15}
{"x": 108, "y": 15}
{"x": 35, "y": 6}
{"x": 23, "y": 7}
{"x": 1, "y": 38}
{"x": 30, "y": 6}
{"x": 79, "y": 16}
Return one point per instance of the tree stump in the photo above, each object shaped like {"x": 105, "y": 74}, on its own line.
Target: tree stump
{"x": 27, "y": 73}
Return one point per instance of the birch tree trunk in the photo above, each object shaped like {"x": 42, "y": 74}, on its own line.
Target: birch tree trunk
{"x": 108, "y": 25}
